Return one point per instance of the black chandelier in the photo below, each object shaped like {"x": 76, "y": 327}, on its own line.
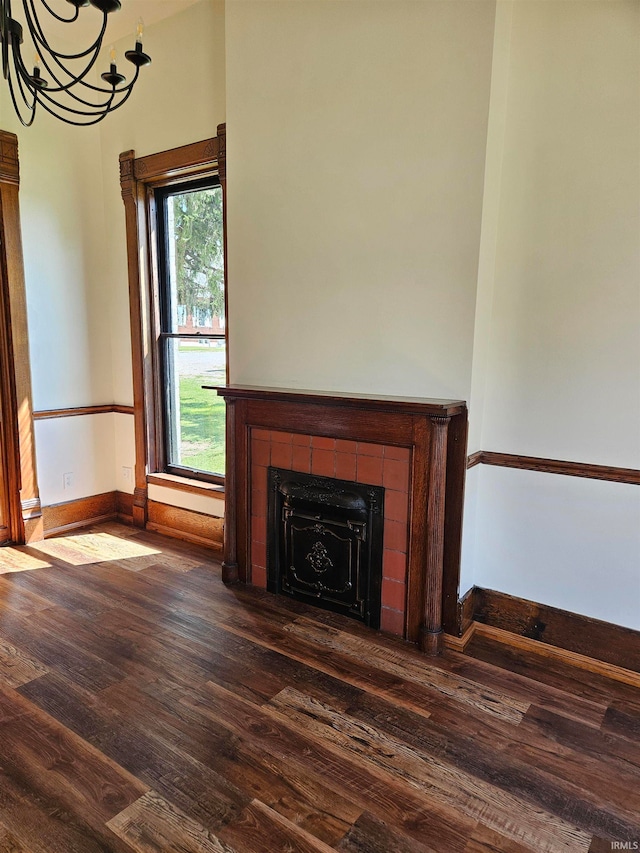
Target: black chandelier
{"x": 58, "y": 81}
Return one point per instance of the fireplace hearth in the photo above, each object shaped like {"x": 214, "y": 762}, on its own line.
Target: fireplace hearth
{"x": 324, "y": 542}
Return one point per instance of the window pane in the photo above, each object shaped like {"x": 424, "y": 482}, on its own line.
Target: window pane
{"x": 196, "y": 418}
{"x": 195, "y": 262}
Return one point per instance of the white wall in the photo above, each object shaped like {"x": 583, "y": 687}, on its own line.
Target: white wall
{"x": 496, "y": 129}
{"x": 469, "y": 530}
{"x": 356, "y": 147}
{"x": 67, "y": 296}
{"x": 67, "y": 305}
{"x": 81, "y": 446}
{"x": 558, "y": 331}
{"x": 564, "y": 359}
{"x": 212, "y": 504}
{"x": 62, "y": 223}
{"x": 567, "y": 542}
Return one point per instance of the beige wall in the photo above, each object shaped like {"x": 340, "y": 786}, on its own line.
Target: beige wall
{"x": 356, "y": 147}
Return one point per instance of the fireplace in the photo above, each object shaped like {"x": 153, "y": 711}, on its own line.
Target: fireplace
{"x": 412, "y": 448}
{"x": 324, "y": 542}
{"x": 367, "y": 463}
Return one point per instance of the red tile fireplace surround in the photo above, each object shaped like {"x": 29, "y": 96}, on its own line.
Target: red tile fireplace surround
{"x": 415, "y": 448}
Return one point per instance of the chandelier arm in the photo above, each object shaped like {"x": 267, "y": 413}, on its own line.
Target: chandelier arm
{"x": 66, "y": 120}
{"x": 23, "y": 122}
{"x": 74, "y": 81}
{"x": 23, "y": 73}
{"x": 101, "y": 116}
{"x": 93, "y": 108}
{"x": 125, "y": 91}
{"x": 67, "y": 88}
{"x": 56, "y": 15}
{"x": 41, "y": 41}
{"x": 21, "y": 78}
{"x": 35, "y": 28}
{"x": 16, "y": 106}
{"x": 67, "y": 113}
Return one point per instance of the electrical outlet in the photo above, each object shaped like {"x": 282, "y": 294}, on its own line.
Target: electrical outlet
{"x": 67, "y": 480}
{"x": 127, "y": 474}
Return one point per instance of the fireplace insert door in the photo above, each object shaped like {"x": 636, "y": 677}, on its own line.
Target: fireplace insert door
{"x": 325, "y": 542}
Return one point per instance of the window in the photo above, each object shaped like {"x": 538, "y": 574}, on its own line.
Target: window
{"x": 191, "y": 339}
{"x": 174, "y": 209}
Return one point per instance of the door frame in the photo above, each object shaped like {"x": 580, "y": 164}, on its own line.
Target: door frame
{"x": 19, "y": 494}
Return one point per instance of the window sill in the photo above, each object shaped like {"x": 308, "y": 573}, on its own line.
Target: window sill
{"x": 185, "y": 484}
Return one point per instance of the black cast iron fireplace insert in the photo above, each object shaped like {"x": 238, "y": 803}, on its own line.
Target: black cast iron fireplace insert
{"x": 324, "y": 542}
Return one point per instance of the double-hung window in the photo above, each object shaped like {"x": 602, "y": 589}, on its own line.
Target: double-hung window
{"x": 174, "y": 208}
{"x": 192, "y": 336}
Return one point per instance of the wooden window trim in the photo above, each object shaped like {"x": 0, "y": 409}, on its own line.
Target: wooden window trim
{"x": 186, "y": 484}
{"x": 139, "y": 178}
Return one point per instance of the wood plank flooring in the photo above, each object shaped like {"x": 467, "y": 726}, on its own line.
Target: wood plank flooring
{"x": 146, "y": 707}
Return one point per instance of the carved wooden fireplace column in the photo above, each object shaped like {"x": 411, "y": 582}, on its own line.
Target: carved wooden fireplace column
{"x": 424, "y": 438}
{"x": 431, "y": 628}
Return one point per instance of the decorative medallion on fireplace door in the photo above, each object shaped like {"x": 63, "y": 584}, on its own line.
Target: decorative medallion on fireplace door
{"x": 324, "y": 542}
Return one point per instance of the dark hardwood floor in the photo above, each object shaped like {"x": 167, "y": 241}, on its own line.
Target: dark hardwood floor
{"x": 145, "y": 707}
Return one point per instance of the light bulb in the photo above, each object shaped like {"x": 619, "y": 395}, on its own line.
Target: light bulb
{"x": 139, "y": 29}
{"x": 36, "y": 78}
{"x": 112, "y": 53}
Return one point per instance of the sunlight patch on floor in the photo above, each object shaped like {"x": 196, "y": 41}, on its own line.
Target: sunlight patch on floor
{"x": 87, "y": 548}
{"x": 12, "y": 560}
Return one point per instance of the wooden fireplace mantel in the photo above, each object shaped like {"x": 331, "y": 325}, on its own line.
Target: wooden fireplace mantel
{"x": 434, "y": 431}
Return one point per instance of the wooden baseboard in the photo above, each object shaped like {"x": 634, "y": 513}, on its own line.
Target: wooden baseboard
{"x": 459, "y": 644}
{"x": 169, "y": 520}
{"x": 59, "y": 518}
{"x": 33, "y": 530}
{"x": 124, "y": 507}
{"x": 466, "y": 611}
{"x": 599, "y": 667}
{"x": 549, "y": 626}
{"x": 186, "y": 524}
{"x": 70, "y": 515}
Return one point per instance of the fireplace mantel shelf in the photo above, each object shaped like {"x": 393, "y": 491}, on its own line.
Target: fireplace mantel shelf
{"x": 430, "y": 434}
{"x": 409, "y": 405}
